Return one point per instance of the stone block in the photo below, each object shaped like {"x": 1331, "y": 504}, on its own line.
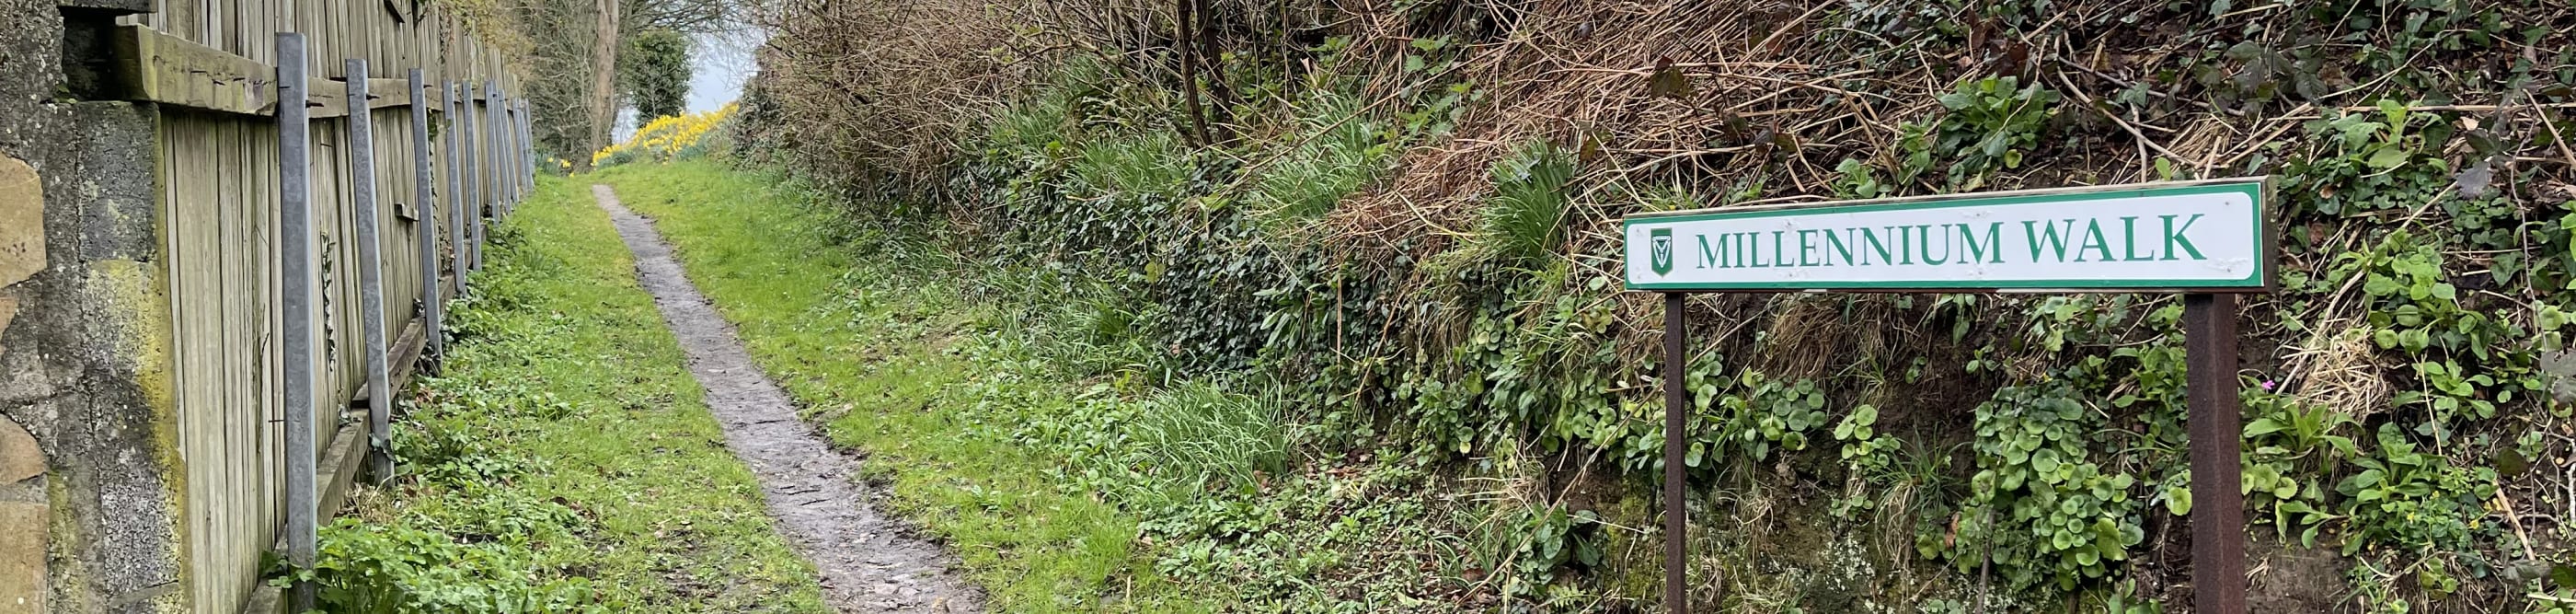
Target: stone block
{"x": 22, "y": 222}
{"x": 8, "y": 311}
{"x": 22, "y": 558}
{"x": 20, "y": 459}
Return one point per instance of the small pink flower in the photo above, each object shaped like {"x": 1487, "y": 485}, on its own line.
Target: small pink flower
{"x": 2267, "y": 385}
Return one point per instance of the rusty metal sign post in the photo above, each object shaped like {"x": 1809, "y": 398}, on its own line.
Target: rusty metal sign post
{"x": 2206, "y": 240}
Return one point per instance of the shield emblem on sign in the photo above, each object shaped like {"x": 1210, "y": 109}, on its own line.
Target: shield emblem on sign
{"x": 1662, "y": 248}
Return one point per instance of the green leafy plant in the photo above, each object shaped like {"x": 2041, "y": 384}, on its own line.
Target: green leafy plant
{"x": 1992, "y": 123}
{"x": 1864, "y": 449}
{"x": 1782, "y": 413}
{"x": 1857, "y": 179}
{"x": 2388, "y": 159}
{"x": 2057, "y": 519}
{"x": 2407, "y": 500}
{"x": 400, "y": 570}
{"x": 2286, "y": 441}
{"x": 1537, "y": 541}
{"x": 2459, "y": 353}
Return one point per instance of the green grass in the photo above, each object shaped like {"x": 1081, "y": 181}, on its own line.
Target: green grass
{"x": 861, "y": 349}
{"x": 565, "y": 460}
{"x": 1014, "y": 412}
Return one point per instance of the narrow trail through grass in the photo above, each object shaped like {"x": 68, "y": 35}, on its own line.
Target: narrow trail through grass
{"x": 870, "y": 564}
{"x": 564, "y": 462}
{"x": 1007, "y": 410}
{"x": 867, "y": 362}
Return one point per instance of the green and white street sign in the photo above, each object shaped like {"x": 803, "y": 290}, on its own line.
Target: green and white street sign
{"x": 2203, "y": 236}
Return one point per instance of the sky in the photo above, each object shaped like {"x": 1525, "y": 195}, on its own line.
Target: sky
{"x": 719, "y": 64}
{"x": 723, "y": 61}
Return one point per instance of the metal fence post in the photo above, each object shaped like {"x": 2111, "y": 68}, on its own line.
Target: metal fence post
{"x": 371, "y": 265}
{"x": 510, "y": 128}
{"x": 473, "y": 194}
{"x": 528, "y": 143}
{"x": 295, "y": 273}
{"x": 426, "y": 229}
{"x": 527, "y": 162}
{"x": 492, "y": 147}
{"x": 455, "y": 191}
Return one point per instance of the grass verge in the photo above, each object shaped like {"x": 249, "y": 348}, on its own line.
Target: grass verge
{"x": 565, "y": 460}
{"x": 1014, "y": 412}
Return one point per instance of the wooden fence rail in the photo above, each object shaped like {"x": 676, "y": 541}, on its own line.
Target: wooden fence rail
{"x": 210, "y": 67}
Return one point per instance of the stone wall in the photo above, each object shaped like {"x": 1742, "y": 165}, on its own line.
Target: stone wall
{"x": 89, "y": 486}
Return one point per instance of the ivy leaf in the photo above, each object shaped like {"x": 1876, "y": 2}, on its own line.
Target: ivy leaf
{"x": 2506, "y": 266}
{"x": 2483, "y": 142}
{"x": 2510, "y": 463}
{"x": 2563, "y": 575}
{"x": 1667, "y": 81}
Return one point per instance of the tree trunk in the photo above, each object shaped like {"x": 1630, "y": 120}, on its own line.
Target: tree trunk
{"x": 1189, "y": 70}
{"x": 603, "y": 79}
{"x": 1213, "y": 58}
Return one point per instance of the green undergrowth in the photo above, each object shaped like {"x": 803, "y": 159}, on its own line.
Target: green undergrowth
{"x": 564, "y": 461}
{"x": 1398, "y": 224}
{"x": 1016, "y": 412}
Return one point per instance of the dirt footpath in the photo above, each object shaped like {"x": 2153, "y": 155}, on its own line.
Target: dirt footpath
{"x": 869, "y": 563}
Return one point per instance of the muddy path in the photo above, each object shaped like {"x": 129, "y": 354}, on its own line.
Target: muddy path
{"x": 869, "y": 563}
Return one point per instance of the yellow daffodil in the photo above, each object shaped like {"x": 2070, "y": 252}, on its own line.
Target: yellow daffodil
{"x": 664, "y": 138}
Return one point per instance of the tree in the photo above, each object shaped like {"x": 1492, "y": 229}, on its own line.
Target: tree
{"x": 655, "y": 69}
{"x": 603, "y": 79}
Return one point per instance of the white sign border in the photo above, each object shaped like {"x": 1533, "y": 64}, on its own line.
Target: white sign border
{"x": 2259, "y": 188}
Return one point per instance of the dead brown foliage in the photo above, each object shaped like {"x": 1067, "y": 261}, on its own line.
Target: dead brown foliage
{"x": 883, "y": 90}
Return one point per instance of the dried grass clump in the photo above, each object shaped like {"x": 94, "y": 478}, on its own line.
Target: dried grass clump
{"x": 1759, "y": 100}
{"x": 2338, "y": 368}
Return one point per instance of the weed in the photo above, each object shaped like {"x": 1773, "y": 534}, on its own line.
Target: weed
{"x": 1526, "y": 218}
{"x": 1201, "y": 435}
{"x": 1342, "y": 149}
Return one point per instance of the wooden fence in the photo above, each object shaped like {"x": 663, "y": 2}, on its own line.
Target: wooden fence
{"x": 210, "y": 65}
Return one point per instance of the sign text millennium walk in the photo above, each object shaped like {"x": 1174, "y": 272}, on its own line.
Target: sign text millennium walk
{"x": 2201, "y": 235}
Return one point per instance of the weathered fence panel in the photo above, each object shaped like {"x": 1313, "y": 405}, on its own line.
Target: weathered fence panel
{"x": 210, "y": 66}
